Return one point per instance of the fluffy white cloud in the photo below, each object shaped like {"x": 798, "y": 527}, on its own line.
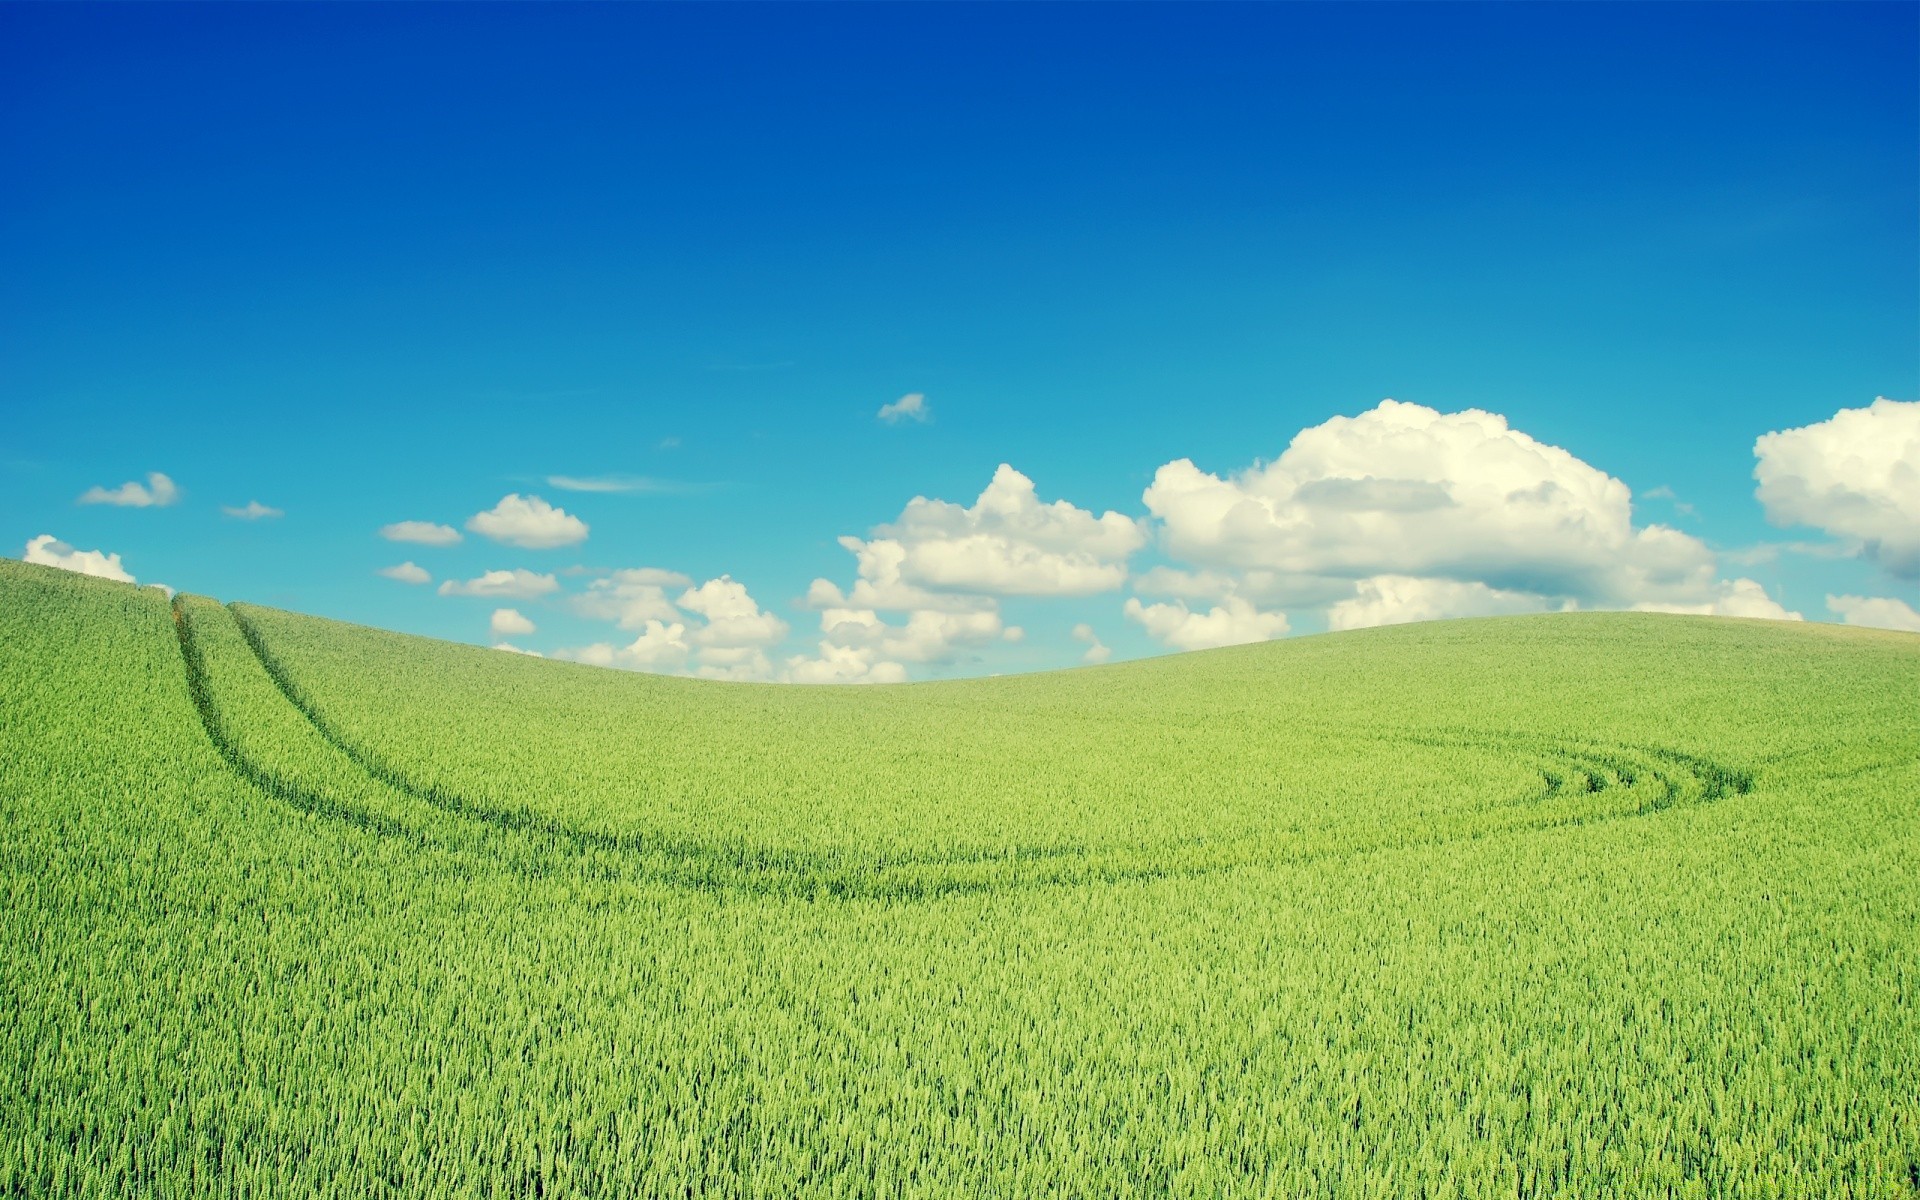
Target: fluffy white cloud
{"x": 253, "y": 510}
{"x": 157, "y": 492}
{"x": 1097, "y": 651}
{"x": 1398, "y": 599}
{"x": 1855, "y": 475}
{"x": 426, "y": 533}
{"x": 50, "y": 551}
{"x": 734, "y": 620}
{"x": 1007, "y": 543}
{"x": 881, "y": 584}
{"x": 843, "y": 664}
{"x": 1731, "y": 598}
{"x": 632, "y": 597}
{"x": 910, "y": 407}
{"x": 406, "y": 572}
{"x": 857, "y": 646}
{"x": 1881, "y": 612}
{"x": 510, "y": 648}
{"x": 517, "y": 584}
{"x": 661, "y": 648}
{"x": 1232, "y": 622}
{"x": 508, "y": 622}
{"x": 1404, "y": 512}
{"x": 1405, "y": 490}
{"x": 729, "y": 642}
{"x": 528, "y": 521}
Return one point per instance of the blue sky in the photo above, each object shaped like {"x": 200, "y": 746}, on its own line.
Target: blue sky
{"x": 367, "y": 264}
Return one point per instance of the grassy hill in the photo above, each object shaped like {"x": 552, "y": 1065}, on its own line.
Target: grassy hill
{"x": 1586, "y": 905}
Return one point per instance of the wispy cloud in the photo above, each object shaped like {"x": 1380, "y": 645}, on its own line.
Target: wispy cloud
{"x": 911, "y": 407}
{"x": 635, "y": 484}
{"x": 425, "y": 533}
{"x": 253, "y": 510}
{"x": 158, "y": 492}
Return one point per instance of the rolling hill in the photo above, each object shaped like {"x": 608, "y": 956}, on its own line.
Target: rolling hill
{"x": 1584, "y": 904}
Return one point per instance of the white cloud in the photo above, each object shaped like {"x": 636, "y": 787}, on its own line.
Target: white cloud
{"x": 406, "y": 572}
{"x": 857, "y": 646}
{"x": 910, "y": 407}
{"x": 510, "y": 648}
{"x": 661, "y": 648}
{"x": 631, "y": 597}
{"x": 1880, "y": 612}
{"x": 50, "y": 551}
{"x": 426, "y": 533}
{"x": 158, "y": 492}
{"x": 1357, "y": 507}
{"x": 1731, "y": 598}
{"x": 730, "y": 642}
{"x": 507, "y": 622}
{"x": 530, "y": 522}
{"x": 1232, "y": 622}
{"x": 253, "y": 510}
{"x": 517, "y": 584}
{"x": 881, "y": 584}
{"x": 1855, "y": 475}
{"x": 1398, "y": 599}
{"x": 734, "y": 620}
{"x": 1097, "y": 651}
{"x": 843, "y": 664}
{"x": 1405, "y": 490}
{"x": 1007, "y": 543}
{"x": 608, "y": 484}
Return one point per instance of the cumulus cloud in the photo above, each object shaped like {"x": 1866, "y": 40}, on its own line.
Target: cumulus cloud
{"x": 426, "y": 533}
{"x": 1398, "y": 599}
{"x": 517, "y": 584}
{"x": 1405, "y": 490}
{"x": 881, "y": 584}
{"x": 406, "y": 572}
{"x": 940, "y": 555}
{"x": 1731, "y": 598}
{"x": 1097, "y": 651}
{"x": 1880, "y": 612}
{"x": 661, "y": 648}
{"x": 910, "y": 407}
{"x": 253, "y": 510}
{"x": 158, "y": 492}
{"x": 730, "y": 639}
{"x": 858, "y": 646}
{"x": 1404, "y": 513}
{"x": 530, "y": 522}
{"x": 1855, "y": 475}
{"x": 945, "y": 565}
{"x": 50, "y": 551}
{"x": 507, "y": 622}
{"x": 1233, "y": 622}
{"x": 733, "y": 619}
{"x": 510, "y": 648}
{"x": 632, "y": 597}
{"x": 843, "y": 664}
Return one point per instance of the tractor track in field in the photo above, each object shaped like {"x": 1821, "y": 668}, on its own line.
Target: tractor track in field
{"x": 1569, "y": 772}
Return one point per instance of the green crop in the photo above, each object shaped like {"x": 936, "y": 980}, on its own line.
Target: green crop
{"x": 1578, "y": 905}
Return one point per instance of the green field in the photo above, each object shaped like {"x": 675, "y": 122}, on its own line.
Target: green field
{"x": 1574, "y": 905}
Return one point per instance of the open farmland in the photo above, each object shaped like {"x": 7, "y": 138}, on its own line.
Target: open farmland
{"x": 1591, "y": 905}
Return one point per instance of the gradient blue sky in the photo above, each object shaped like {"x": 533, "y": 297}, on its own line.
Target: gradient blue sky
{"x": 373, "y": 263}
